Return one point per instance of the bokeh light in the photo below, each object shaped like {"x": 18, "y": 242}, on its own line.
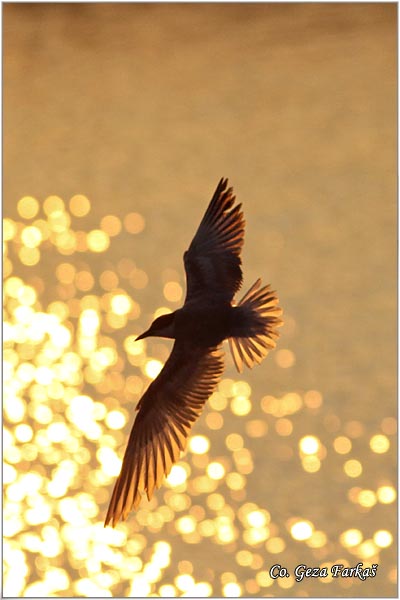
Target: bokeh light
{"x": 134, "y": 222}
{"x": 379, "y": 444}
{"x": 79, "y": 205}
{"x": 73, "y": 374}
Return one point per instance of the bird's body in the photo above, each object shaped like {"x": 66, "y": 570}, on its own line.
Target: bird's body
{"x": 175, "y": 399}
{"x": 208, "y": 324}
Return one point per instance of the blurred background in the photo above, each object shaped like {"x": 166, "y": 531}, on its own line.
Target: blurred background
{"x": 119, "y": 120}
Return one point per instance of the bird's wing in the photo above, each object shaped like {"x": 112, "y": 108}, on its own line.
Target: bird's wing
{"x": 212, "y": 262}
{"x": 167, "y": 410}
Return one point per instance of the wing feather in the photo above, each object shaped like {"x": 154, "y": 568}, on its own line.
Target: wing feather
{"x": 212, "y": 262}
{"x": 167, "y": 410}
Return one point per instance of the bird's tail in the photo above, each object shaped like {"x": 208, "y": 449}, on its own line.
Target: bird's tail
{"x": 256, "y": 329}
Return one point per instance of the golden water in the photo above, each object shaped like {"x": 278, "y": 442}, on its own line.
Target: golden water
{"x": 118, "y": 122}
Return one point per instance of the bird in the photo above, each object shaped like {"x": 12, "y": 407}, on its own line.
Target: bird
{"x": 209, "y": 315}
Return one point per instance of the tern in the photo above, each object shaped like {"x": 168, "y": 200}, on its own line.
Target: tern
{"x": 175, "y": 399}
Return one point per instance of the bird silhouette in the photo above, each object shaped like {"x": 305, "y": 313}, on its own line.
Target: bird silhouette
{"x": 175, "y": 399}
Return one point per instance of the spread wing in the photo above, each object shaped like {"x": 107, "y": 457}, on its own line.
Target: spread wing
{"x": 212, "y": 263}
{"x": 167, "y": 410}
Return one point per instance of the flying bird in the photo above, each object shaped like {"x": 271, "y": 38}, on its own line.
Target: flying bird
{"x": 175, "y": 399}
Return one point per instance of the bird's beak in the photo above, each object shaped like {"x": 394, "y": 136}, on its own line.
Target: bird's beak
{"x": 142, "y": 335}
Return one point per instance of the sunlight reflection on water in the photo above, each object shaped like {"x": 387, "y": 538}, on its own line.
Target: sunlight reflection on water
{"x": 72, "y": 376}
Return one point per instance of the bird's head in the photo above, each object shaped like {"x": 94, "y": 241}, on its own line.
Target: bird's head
{"x": 161, "y": 327}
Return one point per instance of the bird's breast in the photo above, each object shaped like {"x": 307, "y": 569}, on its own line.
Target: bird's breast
{"x": 204, "y": 325}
